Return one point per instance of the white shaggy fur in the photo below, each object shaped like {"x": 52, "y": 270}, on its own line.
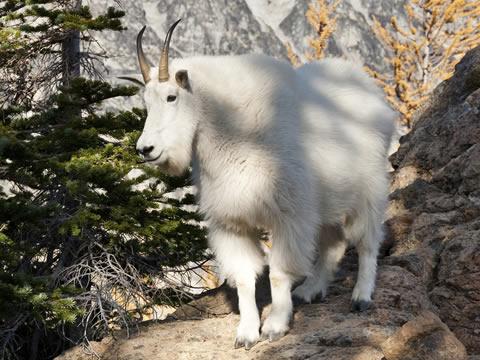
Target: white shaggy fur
{"x": 299, "y": 153}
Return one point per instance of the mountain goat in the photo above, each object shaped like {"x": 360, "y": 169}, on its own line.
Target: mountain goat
{"x": 299, "y": 153}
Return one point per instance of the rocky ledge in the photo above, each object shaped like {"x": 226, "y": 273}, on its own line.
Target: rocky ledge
{"x": 427, "y": 301}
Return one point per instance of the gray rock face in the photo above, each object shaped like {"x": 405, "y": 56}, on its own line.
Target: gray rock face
{"x": 436, "y": 202}
{"x": 242, "y": 26}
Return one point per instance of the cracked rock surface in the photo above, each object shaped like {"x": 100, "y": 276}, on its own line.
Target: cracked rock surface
{"x": 435, "y": 211}
{"x": 427, "y": 300}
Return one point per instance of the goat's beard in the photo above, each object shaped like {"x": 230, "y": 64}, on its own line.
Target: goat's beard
{"x": 172, "y": 168}
{"x": 175, "y": 166}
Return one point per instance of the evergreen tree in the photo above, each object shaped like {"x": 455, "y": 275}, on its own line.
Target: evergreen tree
{"x": 79, "y": 242}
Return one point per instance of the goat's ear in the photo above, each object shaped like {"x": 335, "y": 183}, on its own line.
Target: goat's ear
{"x": 182, "y": 79}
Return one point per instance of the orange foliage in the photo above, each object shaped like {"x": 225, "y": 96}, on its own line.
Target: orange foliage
{"x": 425, "y": 49}
{"x": 320, "y": 17}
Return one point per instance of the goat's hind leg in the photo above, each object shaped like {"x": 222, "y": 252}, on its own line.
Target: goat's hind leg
{"x": 241, "y": 260}
{"x": 367, "y": 235}
{"x": 331, "y": 248}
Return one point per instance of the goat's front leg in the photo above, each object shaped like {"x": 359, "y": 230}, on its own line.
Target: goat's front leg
{"x": 241, "y": 260}
{"x": 277, "y": 323}
{"x": 290, "y": 258}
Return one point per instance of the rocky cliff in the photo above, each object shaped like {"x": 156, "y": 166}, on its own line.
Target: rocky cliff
{"x": 435, "y": 203}
{"x": 244, "y": 26}
{"x": 427, "y": 301}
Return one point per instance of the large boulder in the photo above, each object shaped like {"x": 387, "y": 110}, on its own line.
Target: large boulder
{"x": 427, "y": 300}
{"x": 435, "y": 203}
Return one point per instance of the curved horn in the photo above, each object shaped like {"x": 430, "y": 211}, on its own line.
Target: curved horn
{"x": 144, "y": 65}
{"x": 163, "y": 68}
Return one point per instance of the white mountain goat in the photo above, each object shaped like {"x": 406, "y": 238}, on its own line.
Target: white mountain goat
{"x": 300, "y": 153}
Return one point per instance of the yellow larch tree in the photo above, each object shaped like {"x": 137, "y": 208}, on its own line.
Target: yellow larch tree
{"x": 320, "y": 16}
{"x": 424, "y": 49}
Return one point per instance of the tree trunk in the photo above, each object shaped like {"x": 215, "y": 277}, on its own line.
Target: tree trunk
{"x": 34, "y": 344}
{"x": 71, "y": 53}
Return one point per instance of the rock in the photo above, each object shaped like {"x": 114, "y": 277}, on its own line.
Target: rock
{"x": 456, "y": 290}
{"x": 220, "y": 301}
{"x": 242, "y": 27}
{"x": 419, "y": 336}
{"x": 326, "y": 330}
{"x": 435, "y": 202}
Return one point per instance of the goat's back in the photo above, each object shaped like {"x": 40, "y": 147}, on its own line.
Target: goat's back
{"x": 344, "y": 92}
{"x": 347, "y": 127}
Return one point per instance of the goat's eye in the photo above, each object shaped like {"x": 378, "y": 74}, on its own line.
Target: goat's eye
{"x": 171, "y": 98}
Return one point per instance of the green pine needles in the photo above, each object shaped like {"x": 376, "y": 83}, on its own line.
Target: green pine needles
{"x": 85, "y": 246}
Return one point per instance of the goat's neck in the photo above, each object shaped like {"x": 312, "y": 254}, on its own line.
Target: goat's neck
{"x": 214, "y": 141}
{"x": 207, "y": 149}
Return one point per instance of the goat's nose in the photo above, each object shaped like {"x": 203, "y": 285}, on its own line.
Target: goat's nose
{"x": 145, "y": 150}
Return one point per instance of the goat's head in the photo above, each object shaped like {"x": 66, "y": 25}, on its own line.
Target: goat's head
{"x": 167, "y": 136}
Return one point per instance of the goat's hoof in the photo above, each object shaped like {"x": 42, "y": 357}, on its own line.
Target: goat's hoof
{"x": 298, "y": 300}
{"x": 275, "y": 325}
{"x": 360, "y": 305}
{"x": 319, "y": 298}
{"x": 272, "y": 330}
{"x": 272, "y": 336}
{"x": 244, "y": 343}
{"x": 247, "y": 334}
